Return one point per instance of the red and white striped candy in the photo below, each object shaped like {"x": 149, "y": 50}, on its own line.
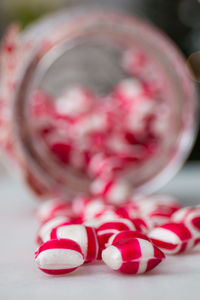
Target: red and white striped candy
{"x": 132, "y": 256}
{"x": 140, "y": 224}
{"x": 114, "y": 191}
{"x": 129, "y": 210}
{"x": 128, "y": 90}
{"x": 166, "y": 203}
{"x": 79, "y": 205}
{"x": 125, "y": 235}
{"x": 42, "y": 105}
{"x": 52, "y": 208}
{"x": 158, "y": 217}
{"x": 44, "y": 231}
{"x": 87, "y": 125}
{"x": 74, "y": 102}
{"x": 134, "y": 61}
{"x": 93, "y": 208}
{"x": 100, "y": 164}
{"x": 190, "y": 216}
{"x": 106, "y": 230}
{"x": 87, "y": 207}
{"x": 105, "y": 215}
{"x": 85, "y": 236}
{"x": 157, "y": 209}
{"x": 57, "y": 257}
{"x": 172, "y": 238}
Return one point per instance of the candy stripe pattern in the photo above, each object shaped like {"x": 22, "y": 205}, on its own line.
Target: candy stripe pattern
{"x": 52, "y": 208}
{"x": 125, "y": 235}
{"x": 57, "y": 257}
{"x": 85, "y": 236}
{"x": 172, "y": 238}
{"x": 113, "y": 191}
{"x": 106, "y": 230}
{"x": 132, "y": 256}
{"x": 190, "y": 216}
{"x": 44, "y": 231}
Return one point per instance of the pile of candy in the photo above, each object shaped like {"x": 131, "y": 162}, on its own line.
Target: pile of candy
{"x": 103, "y": 137}
{"x": 131, "y": 238}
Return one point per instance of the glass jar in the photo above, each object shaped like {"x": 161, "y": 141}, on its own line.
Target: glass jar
{"x": 86, "y": 47}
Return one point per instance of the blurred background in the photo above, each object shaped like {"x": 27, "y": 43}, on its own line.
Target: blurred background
{"x": 180, "y": 19}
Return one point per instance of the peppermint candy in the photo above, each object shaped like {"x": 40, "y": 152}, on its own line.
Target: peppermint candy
{"x": 53, "y": 208}
{"x": 114, "y": 191}
{"x": 125, "y": 235}
{"x": 74, "y": 102}
{"x": 172, "y": 238}
{"x": 85, "y": 236}
{"x": 57, "y": 257}
{"x": 44, "y": 232}
{"x": 132, "y": 256}
{"x": 106, "y": 230}
{"x": 190, "y": 216}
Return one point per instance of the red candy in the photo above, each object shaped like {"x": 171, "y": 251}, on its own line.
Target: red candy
{"x": 132, "y": 256}
{"x": 57, "y": 257}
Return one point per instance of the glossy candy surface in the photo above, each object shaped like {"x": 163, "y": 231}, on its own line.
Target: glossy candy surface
{"x": 172, "y": 238}
{"x": 125, "y": 235}
{"x": 85, "y": 236}
{"x": 132, "y": 256}
{"x": 57, "y": 257}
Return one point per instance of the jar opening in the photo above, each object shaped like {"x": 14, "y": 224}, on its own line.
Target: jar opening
{"x": 88, "y": 53}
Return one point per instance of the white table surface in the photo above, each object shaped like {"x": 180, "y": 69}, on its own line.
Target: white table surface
{"x": 177, "y": 277}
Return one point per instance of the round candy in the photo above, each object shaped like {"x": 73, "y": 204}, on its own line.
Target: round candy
{"x": 85, "y": 236}
{"x": 132, "y": 256}
{"x": 57, "y": 257}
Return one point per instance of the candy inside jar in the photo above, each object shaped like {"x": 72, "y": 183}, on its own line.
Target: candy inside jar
{"x": 102, "y": 105}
